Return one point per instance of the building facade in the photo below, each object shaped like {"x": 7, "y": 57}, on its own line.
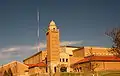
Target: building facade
{"x": 95, "y": 59}
{"x": 56, "y": 58}
{"x": 68, "y": 58}
{"x": 14, "y": 68}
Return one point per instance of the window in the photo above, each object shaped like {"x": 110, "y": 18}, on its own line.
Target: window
{"x": 70, "y": 55}
{"x": 54, "y": 29}
{"x": 60, "y": 59}
{"x": 81, "y": 69}
{"x": 63, "y": 59}
{"x": 54, "y": 69}
{"x": 66, "y": 60}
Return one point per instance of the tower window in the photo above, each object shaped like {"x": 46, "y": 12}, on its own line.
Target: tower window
{"x": 66, "y": 60}
{"x": 54, "y": 69}
{"x": 60, "y": 59}
{"x": 53, "y": 28}
{"x": 63, "y": 59}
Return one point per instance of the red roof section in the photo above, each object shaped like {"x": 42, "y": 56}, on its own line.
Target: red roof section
{"x": 41, "y": 64}
{"x": 99, "y": 58}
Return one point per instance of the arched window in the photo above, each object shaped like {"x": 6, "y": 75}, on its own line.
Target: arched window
{"x": 63, "y": 69}
{"x": 66, "y": 60}
{"x": 53, "y": 28}
{"x": 80, "y": 68}
{"x": 54, "y": 69}
{"x": 63, "y": 59}
{"x": 60, "y": 59}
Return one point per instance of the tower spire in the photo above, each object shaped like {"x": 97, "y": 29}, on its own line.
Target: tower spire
{"x": 52, "y": 23}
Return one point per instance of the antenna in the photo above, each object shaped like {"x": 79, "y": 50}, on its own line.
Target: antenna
{"x": 38, "y": 31}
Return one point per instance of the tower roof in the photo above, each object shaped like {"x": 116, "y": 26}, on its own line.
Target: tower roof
{"x": 52, "y": 23}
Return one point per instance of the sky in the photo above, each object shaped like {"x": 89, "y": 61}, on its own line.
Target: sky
{"x": 81, "y": 23}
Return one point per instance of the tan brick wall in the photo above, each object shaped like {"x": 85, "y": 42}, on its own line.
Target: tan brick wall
{"x": 36, "y": 58}
{"x": 17, "y": 68}
{"x": 37, "y": 70}
{"x": 96, "y": 51}
{"x": 101, "y": 66}
{"x": 78, "y": 53}
{"x": 44, "y": 54}
{"x": 53, "y": 45}
{"x": 108, "y": 66}
{"x": 112, "y": 65}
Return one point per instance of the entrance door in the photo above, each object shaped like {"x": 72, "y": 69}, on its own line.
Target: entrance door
{"x": 63, "y": 69}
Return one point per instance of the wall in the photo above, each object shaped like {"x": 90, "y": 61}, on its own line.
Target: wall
{"x": 65, "y": 56}
{"x": 37, "y": 70}
{"x": 101, "y": 66}
{"x": 17, "y": 68}
{"x": 70, "y": 49}
{"x": 96, "y": 51}
{"x": 36, "y": 58}
{"x": 112, "y": 65}
{"x": 78, "y": 53}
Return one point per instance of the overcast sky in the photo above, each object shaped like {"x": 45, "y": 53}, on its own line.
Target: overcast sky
{"x": 81, "y": 23}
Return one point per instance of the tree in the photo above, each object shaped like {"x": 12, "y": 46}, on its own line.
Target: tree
{"x": 93, "y": 65}
{"x": 114, "y": 34}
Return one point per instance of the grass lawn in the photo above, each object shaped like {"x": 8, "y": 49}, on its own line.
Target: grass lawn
{"x": 112, "y": 74}
{"x": 109, "y": 73}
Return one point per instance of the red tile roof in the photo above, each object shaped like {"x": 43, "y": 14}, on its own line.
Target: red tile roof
{"x": 41, "y": 64}
{"x": 99, "y": 58}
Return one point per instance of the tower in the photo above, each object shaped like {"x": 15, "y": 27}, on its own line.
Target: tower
{"x": 53, "y": 46}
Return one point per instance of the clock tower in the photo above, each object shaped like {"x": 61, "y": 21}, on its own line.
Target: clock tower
{"x": 53, "y": 46}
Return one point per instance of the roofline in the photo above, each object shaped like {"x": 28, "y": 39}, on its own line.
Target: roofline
{"x": 71, "y": 46}
{"x": 97, "y": 61}
{"x": 45, "y": 65}
{"x": 78, "y": 49}
{"x": 11, "y": 63}
{"x": 100, "y": 47}
{"x": 90, "y": 60}
{"x": 33, "y": 55}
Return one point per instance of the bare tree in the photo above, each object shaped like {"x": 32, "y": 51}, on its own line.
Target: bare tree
{"x": 114, "y": 34}
{"x": 93, "y": 65}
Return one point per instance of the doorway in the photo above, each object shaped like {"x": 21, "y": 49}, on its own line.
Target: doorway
{"x": 63, "y": 69}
